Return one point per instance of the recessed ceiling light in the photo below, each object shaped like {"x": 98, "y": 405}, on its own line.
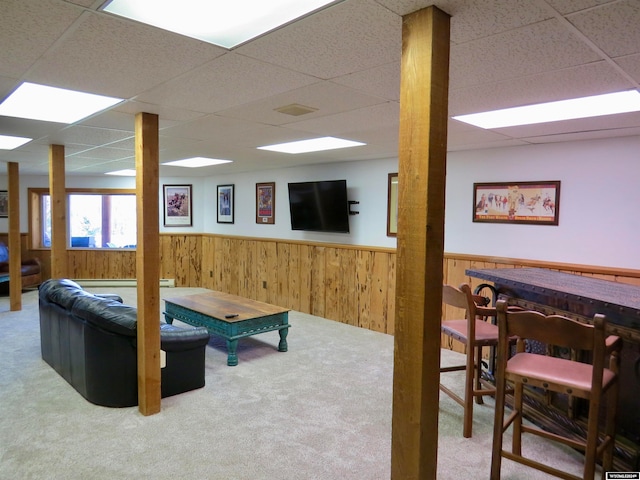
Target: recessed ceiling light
{"x": 226, "y": 24}
{"x": 7, "y": 142}
{"x": 594, "y": 106}
{"x": 196, "y": 162}
{"x": 312, "y": 145}
{"x": 52, "y": 104}
{"x": 123, "y": 173}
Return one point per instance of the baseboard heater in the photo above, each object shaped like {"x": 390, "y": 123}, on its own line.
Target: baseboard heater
{"x": 119, "y": 282}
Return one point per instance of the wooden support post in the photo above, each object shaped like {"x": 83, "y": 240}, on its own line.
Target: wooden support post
{"x": 420, "y": 250}
{"x": 148, "y": 262}
{"x": 58, "y": 197}
{"x": 15, "y": 253}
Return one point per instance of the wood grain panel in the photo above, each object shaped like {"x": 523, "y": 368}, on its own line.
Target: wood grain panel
{"x": 380, "y": 292}
{"x": 318, "y": 282}
{"x": 370, "y": 298}
{"x": 364, "y": 267}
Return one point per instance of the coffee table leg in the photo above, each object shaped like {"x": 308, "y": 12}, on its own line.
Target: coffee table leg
{"x": 282, "y": 346}
{"x": 232, "y": 356}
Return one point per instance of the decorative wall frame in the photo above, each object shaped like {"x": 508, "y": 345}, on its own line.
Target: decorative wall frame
{"x": 535, "y": 203}
{"x": 225, "y": 203}
{"x": 266, "y": 203}
{"x": 392, "y": 205}
{"x": 178, "y": 204}
{"x": 4, "y": 203}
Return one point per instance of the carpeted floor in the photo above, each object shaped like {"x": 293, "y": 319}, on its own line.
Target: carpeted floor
{"x": 322, "y": 411}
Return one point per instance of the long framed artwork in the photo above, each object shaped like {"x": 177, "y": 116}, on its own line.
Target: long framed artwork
{"x": 536, "y": 203}
{"x": 4, "y": 203}
{"x": 177, "y": 206}
{"x": 225, "y": 203}
{"x": 266, "y": 203}
{"x": 392, "y": 205}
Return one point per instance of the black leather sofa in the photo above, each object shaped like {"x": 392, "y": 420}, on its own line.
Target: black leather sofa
{"x": 90, "y": 340}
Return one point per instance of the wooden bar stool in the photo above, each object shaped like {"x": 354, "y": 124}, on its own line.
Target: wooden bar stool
{"x": 566, "y": 376}
{"x": 474, "y": 331}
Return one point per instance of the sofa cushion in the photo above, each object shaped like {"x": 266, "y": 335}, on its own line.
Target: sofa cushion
{"x": 108, "y": 314}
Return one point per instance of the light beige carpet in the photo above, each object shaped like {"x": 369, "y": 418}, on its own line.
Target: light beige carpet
{"x": 322, "y": 410}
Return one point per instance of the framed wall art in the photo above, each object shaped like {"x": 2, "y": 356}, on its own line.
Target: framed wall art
{"x": 177, "y": 205}
{"x": 266, "y": 203}
{"x": 535, "y": 203}
{"x": 225, "y": 203}
{"x": 4, "y": 203}
{"x": 392, "y": 205}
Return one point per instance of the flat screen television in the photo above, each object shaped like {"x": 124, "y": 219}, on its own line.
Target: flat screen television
{"x": 319, "y": 206}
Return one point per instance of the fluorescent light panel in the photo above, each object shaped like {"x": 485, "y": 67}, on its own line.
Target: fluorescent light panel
{"x": 594, "y": 106}
{"x": 7, "y": 142}
{"x": 52, "y": 104}
{"x": 312, "y": 145}
{"x": 223, "y": 23}
{"x": 123, "y": 173}
{"x": 196, "y": 162}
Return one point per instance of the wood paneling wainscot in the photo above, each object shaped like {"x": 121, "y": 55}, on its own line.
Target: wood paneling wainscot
{"x": 346, "y": 283}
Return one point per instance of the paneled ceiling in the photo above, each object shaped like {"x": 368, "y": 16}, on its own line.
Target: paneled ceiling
{"x": 343, "y": 61}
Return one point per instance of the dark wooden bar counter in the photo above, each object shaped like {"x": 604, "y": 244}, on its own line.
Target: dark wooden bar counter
{"x": 581, "y": 297}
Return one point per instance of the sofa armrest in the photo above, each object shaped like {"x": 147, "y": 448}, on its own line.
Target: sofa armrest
{"x": 32, "y": 261}
{"x": 174, "y": 338}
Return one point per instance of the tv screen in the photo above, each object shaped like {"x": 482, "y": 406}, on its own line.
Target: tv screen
{"x": 319, "y": 206}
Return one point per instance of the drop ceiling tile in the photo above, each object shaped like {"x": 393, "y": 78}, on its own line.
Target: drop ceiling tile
{"x": 167, "y": 115}
{"x": 584, "y": 80}
{"x": 224, "y": 83}
{"x": 631, "y": 65}
{"x": 517, "y": 53}
{"x": 102, "y": 153}
{"x": 471, "y": 20}
{"x": 210, "y": 127}
{"x": 22, "y": 127}
{"x": 88, "y": 136}
{"x": 326, "y": 97}
{"x": 104, "y": 51}
{"x": 573, "y": 137}
{"x": 605, "y": 122}
{"x": 615, "y": 28}
{"x": 28, "y": 29}
{"x": 345, "y": 38}
{"x": 384, "y": 115}
{"x": 382, "y": 81}
{"x": 570, "y": 6}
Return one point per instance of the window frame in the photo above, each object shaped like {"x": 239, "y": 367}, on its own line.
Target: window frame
{"x": 36, "y": 216}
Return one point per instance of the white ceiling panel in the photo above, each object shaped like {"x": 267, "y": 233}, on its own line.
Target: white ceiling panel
{"x": 348, "y": 37}
{"x": 615, "y": 28}
{"x": 343, "y": 60}
{"x": 118, "y": 58}
{"x": 224, "y": 83}
{"x": 28, "y": 29}
{"x": 326, "y": 97}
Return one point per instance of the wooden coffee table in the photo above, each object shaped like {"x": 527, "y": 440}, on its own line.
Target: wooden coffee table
{"x": 230, "y": 317}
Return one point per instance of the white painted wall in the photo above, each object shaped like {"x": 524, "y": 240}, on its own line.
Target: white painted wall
{"x": 599, "y": 221}
{"x": 599, "y": 202}
{"x": 366, "y": 183}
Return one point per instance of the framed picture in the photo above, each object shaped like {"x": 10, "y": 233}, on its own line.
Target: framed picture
{"x": 225, "y": 203}
{"x": 177, "y": 205}
{"x": 266, "y": 203}
{"x": 392, "y": 205}
{"x": 517, "y": 202}
{"x": 4, "y": 204}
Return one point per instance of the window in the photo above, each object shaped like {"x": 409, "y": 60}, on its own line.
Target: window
{"x": 96, "y": 218}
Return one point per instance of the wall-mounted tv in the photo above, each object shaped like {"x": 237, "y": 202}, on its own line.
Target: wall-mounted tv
{"x": 319, "y": 206}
